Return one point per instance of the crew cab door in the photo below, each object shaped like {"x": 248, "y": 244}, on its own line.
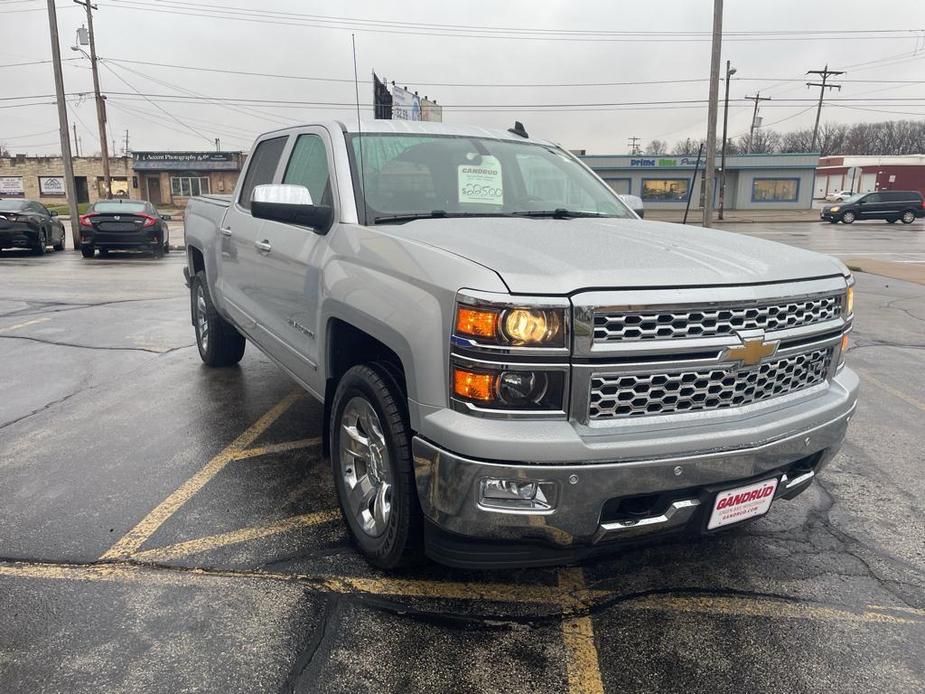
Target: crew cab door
{"x": 238, "y": 234}
{"x": 289, "y": 267}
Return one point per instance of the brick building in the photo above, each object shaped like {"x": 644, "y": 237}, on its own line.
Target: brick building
{"x": 168, "y": 179}
{"x": 865, "y": 174}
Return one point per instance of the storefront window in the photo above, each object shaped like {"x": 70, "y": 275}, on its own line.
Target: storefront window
{"x": 119, "y": 186}
{"x": 189, "y": 186}
{"x": 665, "y": 189}
{"x": 775, "y": 189}
{"x": 620, "y": 186}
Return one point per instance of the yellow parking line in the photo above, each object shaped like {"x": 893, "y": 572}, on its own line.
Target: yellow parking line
{"x": 210, "y": 542}
{"x": 891, "y": 390}
{"x": 23, "y": 325}
{"x": 582, "y": 666}
{"x": 134, "y": 538}
{"x": 277, "y": 448}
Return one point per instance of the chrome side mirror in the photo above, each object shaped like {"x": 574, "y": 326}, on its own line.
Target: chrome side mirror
{"x": 290, "y": 204}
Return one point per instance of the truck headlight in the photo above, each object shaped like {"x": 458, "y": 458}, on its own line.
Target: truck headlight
{"x": 514, "y": 326}
{"x": 849, "y": 301}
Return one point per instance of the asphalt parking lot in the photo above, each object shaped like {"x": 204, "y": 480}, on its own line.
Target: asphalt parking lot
{"x": 165, "y": 527}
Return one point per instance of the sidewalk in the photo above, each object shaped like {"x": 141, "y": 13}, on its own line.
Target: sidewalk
{"x": 695, "y": 216}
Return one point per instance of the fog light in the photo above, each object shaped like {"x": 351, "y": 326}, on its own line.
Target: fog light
{"x": 508, "y": 489}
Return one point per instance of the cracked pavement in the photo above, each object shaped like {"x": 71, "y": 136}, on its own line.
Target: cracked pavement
{"x": 249, "y": 583}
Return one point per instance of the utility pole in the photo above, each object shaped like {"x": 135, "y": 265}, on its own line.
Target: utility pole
{"x": 712, "y": 113}
{"x": 751, "y": 131}
{"x": 218, "y": 145}
{"x": 125, "y": 151}
{"x": 825, "y": 73}
{"x": 76, "y": 141}
{"x": 730, "y": 71}
{"x": 100, "y": 103}
{"x": 633, "y": 142}
{"x": 62, "y": 125}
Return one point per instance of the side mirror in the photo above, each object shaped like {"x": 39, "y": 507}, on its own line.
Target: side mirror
{"x": 292, "y": 205}
{"x": 52, "y": 213}
{"x": 166, "y": 217}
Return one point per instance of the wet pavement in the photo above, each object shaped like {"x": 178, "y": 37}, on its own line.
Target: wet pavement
{"x": 165, "y": 527}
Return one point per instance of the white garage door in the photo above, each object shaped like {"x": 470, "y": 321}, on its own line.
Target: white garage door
{"x": 868, "y": 181}
{"x": 835, "y": 184}
{"x": 821, "y": 182}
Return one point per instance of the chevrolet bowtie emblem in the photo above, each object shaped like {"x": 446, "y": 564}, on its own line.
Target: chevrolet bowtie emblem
{"x": 751, "y": 351}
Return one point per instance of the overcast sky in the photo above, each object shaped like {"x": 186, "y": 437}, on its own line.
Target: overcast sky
{"x": 174, "y": 32}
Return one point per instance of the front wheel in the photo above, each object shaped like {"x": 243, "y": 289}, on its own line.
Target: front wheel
{"x": 87, "y": 251}
{"x": 220, "y": 344}
{"x": 848, "y": 217}
{"x": 908, "y": 217}
{"x": 373, "y": 473}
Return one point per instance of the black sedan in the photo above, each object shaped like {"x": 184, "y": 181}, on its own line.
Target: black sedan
{"x": 115, "y": 225}
{"x": 29, "y": 224}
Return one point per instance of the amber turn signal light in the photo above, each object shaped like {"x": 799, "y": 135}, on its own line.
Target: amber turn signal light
{"x": 473, "y": 385}
{"x": 476, "y": 322}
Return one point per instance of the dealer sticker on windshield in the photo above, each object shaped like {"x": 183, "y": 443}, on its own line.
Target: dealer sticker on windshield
{"x": 481, "y": 183}
{"x": 734, "y": 505}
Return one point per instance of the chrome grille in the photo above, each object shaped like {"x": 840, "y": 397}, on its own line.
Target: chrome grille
{"x": 632, "y": 395}
{"x": 713, "y": 321}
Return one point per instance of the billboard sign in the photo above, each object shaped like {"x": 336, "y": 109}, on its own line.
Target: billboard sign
{"x": 11, "y": 187}
{"x": 405, "y": 105}
{"x": 51, "y": 185}
{"x": 431, "y": 111}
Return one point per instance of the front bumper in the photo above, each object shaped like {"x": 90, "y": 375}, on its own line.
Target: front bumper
{"x": 582, "y": 494}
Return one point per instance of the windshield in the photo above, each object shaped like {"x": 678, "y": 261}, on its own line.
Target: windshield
{"x": 853, "y": 198}
{"x": 12, "y": 205}
{"x": 123, "y": 207}
{"x": 439, "y": 175}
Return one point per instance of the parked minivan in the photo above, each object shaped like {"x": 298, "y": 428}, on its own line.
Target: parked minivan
{"x": 889, "y": 205}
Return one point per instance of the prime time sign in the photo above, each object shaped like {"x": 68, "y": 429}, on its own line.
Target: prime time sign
{"x": 662, "y": 162}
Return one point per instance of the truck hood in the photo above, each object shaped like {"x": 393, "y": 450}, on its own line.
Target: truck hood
{"x": 561, "y": 256}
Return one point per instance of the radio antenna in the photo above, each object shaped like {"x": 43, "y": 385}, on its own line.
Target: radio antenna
{"x": 356, "y": 88}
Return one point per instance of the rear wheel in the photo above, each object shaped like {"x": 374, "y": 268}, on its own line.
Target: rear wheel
{"x": 848, "y": 217}
{"x": 158, "y": 251}
{"x": 60, "y": 245}
{"x": 373, "y": 473}
{"x": 220, "y": 344}
{"x": 39, "y": 248}
{"x": 908, "y": 217}
{"x": 87, "y": 251}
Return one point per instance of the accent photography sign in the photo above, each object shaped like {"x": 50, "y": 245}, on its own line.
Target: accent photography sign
{"x": 185, "y": 161}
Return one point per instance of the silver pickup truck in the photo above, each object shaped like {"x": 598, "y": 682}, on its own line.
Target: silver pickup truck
{"x": 515, "y": 369}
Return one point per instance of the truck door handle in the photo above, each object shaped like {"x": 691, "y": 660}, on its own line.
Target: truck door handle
{"x": 226, "y": 231}
{"x": 263, "y": 246}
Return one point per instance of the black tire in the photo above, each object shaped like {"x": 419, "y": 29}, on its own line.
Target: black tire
{"x": 104, "y": 252}
{"x": 891, "y": 220}
{"x": 59, "y": 246}
{"x": 39, "y": 248}
{"x": 220, "y": 344}
{"x": 908, "y": 217}
{"x": 833, "y": 221}
{"x": 848, "y": 218}
{"x": 87, "y": 251}
{"x": 402, "y": 542}
{"x": 158, "y": 252}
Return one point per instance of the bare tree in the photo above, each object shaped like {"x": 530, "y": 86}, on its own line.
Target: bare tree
{"x": 686, "y": 147}
{"x": 4, "y": 152}
{"x": 832, "y": 138}
{"x": 797, "y": 141}
{"x": 657, "y": 147}
{"x": 764, "y": 142}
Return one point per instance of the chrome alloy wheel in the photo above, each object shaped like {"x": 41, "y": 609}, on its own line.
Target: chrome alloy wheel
{"x": 202, "y": 322}
{"x": 364, "y": 467}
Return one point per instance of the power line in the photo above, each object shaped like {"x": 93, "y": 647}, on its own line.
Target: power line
{"x": 190, "y": 9}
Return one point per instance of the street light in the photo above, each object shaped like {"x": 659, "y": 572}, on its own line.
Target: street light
{"x": 730, "y": 71}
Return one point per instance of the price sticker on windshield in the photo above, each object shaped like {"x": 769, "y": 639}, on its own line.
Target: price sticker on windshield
{"x": 481, "y": 183}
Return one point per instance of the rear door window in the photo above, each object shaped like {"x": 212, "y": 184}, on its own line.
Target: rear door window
{"x": 261, "y": 168}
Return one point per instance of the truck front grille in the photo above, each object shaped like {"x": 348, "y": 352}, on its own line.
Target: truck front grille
{"x": 620, "y": 395}
{"x": 713, "y": 321}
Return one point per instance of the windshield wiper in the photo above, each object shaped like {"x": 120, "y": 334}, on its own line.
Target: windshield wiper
{"x": 558, "y": 213}
{"x": 435, "y": 214}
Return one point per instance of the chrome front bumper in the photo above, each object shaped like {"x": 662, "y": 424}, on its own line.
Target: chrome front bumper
{"x": 449, "y": 484}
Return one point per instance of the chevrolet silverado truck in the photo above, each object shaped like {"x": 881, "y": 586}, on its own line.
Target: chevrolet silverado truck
{"x": 515, "y": 369}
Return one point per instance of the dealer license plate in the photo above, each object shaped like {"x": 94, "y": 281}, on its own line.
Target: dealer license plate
{"x": 741, "y": 503}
